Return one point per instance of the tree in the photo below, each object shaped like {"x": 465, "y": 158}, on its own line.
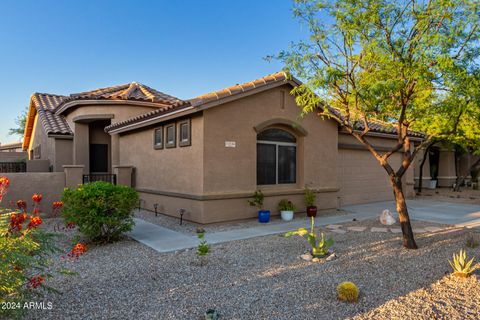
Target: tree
{"x": 384, "y": 60}
{"x": 20, "y": 122}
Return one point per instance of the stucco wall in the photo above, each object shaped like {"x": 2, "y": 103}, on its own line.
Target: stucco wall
{"x": 234, "y": 169}
{"x": 178, "y": 169}
{"x": 361, "y": 177}
{"x": 63, "y": 154}
{"x": 12, "y": 156}
{"x": 24, "y": 185}
{"x": 120, "y": 112}
{"x": 47, "y": 149}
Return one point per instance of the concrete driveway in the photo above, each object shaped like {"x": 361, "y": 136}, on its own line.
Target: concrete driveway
{"x": 461, "y": 215}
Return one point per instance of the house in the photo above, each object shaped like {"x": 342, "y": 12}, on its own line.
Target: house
{"x": 208, "y": 154}
{"x": 11, "y": 147}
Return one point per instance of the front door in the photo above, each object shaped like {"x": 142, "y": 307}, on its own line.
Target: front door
{"x": 98, "y": 157}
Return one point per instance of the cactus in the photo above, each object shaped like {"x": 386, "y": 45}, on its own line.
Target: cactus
{"x": 347, "y": 291}
{"x": 461, "y": 268}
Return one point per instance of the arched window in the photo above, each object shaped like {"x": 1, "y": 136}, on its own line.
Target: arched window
{"x": 276, "y": 157}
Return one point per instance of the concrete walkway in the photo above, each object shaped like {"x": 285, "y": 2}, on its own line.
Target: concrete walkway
{"x": 458, "y": 214}
{"x": 165, "y": 240}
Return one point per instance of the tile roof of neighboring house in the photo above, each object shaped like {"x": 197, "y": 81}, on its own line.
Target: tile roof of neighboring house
{"x": 49, "y": 106}
{"x": 236, "y": 90}
{"x": 12, "y": 145}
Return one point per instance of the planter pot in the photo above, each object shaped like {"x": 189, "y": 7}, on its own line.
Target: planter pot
{"x": 311, "y": 211}
{"x": 263, "y": 216}
{"x": 286, "y": 215}
{"x": 432, "y": 184}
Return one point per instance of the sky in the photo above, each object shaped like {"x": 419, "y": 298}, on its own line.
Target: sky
{"x": 183, "y": 48}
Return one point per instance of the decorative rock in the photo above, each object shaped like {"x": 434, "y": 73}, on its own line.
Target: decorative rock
{"x": 396, "y": 230}
{"x": 339, "y": 231}
{"x": 331, "y": 257}
{"x": 386, "y": 218}
{"x": 433, "y": 229}
{"x": 374, "y": 229}
{"x": 307, "y": 256}
{"x": 357, "y": 229}
{"x": 315, "y": 260}
{"x": 333, "y": 226}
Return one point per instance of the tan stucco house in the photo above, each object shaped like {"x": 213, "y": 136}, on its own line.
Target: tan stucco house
{"x": 208, "y": 154}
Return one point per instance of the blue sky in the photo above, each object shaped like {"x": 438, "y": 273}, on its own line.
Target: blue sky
{"x": 184, "y": 48}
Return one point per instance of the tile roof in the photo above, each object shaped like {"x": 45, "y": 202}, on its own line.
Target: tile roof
{"x": 130, "y": 91}
{"x": 48, "y": 105}
{"x": 241, "y": 88}
{"x": 278, "y": 77}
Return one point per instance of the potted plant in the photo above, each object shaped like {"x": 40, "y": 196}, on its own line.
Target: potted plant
{"x": 310, "y": 200}
{"x": 286, "y": 209}
{"x": 257, "y": 201}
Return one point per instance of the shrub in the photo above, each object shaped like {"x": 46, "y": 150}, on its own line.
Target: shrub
{"x": 25, "y": 254}
{"x": 347, "y": 291}
{"x": 310, "y": 197}
{"x": 203, "y": 248}
{"x": 101, "y": 211}
{"x": 257, "y": 200}
{"x": 472, "y": 241}
{"x": 285, "y": 205}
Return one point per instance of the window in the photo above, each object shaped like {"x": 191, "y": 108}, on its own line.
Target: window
{"x": 37, "y": 152}
{"x": 184, "y": 133}
{"x": 276, "y": 157}
{"x": 158, "y": 138}
{"x": 170, "y": 133}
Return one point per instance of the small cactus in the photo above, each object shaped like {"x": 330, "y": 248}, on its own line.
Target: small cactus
{"x": 462, "y": 268}
{"x": 347, "y": 291}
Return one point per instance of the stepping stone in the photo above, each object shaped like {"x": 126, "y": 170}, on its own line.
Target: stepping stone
{"x": 419, "y": 230}
{"x": 358, "y": 229}
{"x": 433, "y": 229}
{"x": 374, "y": 229}
{"x": 339, "y": 231}
{"x": 396, "y": 230}
{"x": 333, "y": 226}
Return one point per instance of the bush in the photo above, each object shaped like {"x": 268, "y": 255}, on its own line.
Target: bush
{"x": 347, "y": 291}
{"x": 101, "y": 211}
{"x": 25, "y": 255}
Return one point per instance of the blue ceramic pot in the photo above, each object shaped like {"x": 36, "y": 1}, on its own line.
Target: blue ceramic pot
{"x": 264, "y": 216}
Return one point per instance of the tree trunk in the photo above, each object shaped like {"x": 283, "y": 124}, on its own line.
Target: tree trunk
{"x": 420, "y": 178}
{"x": 408, "y": 239}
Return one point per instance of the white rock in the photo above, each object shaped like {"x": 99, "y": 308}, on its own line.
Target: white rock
{"x": 386, "y": 218}
{"x": 374, "y": 229}
{"x": 315, "y": 260}
{"x": 396, "y": 230}
{"x": 306, "y": 257}
{"x": 331, "y": 257}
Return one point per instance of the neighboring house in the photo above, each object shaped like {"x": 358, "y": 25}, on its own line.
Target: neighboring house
{"x": 12, "y": 152}
{"x": 207, "y": 155}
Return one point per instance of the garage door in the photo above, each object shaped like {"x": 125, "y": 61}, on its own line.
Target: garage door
{"x": 361, "y": 178}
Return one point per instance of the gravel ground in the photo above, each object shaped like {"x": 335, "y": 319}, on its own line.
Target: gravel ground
{"x": 264, "y": 278}
{"x": 190, "y": 228}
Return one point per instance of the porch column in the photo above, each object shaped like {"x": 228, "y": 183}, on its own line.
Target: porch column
{"x": 73, "y": 175}
{"x": 446, "y": 168}
{"x": 81, "y": 146}
{"x": 115, "y": 147}
{"x": 426, "y": 169}
{"x": 124, "y": 175}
